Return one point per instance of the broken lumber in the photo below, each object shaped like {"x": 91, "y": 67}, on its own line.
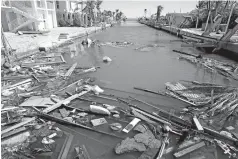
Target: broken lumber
{"x": 189, "y": 149}
{"x": 197, "y": 123}
{"x": 142, "y": 117}
{"x": 13, "y": 132}
{"x": 151, "y": 116}
{"x": 74, "y": 83}
{"x": 198, "y": 45}
{"x": 59, "y": 120}
{"x": 150, "y": 91}
{"x": 161, "y": 151}
{"x": 67, "y": 146}
{"x": 181, "y": 52}
{"x": 55, "y": 106}
{"x": 17, "y": 125}
{"x": 70, "y": 71}
{"x": 17, "y": 84}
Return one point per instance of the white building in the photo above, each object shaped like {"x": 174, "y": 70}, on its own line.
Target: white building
{"x": 34, "y": 15}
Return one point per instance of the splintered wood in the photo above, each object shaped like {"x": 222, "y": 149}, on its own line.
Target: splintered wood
{"x": 189, "y": 149}
{"x": 70, "y": 71}
{"x": 57, "y": 105}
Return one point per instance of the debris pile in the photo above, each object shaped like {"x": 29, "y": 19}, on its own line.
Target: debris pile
{"x": 213, "y": 103}
{"x": 198, "y": 94}
{"x": 116, "y": 44}
{"x": 225, "y": 69}
{"x": 148, "y": 47}
{"x": 41, "y": 94}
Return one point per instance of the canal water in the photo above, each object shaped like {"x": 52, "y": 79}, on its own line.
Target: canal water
{"x": 150, "y": 69}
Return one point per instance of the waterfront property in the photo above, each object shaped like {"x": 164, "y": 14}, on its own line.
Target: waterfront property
{"x": 28, "y": 15}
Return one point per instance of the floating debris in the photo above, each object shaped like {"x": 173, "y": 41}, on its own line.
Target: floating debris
{"x": 106, "y": 59}
{"x": 148, "y": 47}
{"x": 129, "y": 145}
{"x": 116, "y": 44}
{"x": 225, "y": 69}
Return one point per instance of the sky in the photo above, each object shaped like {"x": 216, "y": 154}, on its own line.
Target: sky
{"x": 135, "y": 9}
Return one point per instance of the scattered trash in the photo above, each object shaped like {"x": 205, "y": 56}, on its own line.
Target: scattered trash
{"x": 225, "y": 69}
{"x": 116, "y": 126}
{"x": 99, "y": 121}
{"x": 99, "y": 110}
{"x": 131, "y": 125}
{"x": 19, "y": 33}
{"x": 116, "y": 44}
{"x": 82, "y": 152}
{"x": 46, "y": 140}
{"x": 106, "y": 59}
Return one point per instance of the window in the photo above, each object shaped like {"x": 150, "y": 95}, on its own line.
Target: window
{"x": 40, "y": 4}
{"x": 50, "y": 4}
{"x": 57, "y": 4}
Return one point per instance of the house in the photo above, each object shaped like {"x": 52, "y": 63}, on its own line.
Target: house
{"x": 70, "y": 12}
{"x": 69, "y": 5}
{"x": 176, "y": 19}
{"x": 36, "y": 15}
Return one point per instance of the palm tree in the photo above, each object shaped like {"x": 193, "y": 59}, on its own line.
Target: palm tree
{"x": 159, "y": 10}
{"x": 98, "y": 4}
{"x": 117, "y": 14}
{"x": 90, "y": 5}
{"x": 145, "y": 11}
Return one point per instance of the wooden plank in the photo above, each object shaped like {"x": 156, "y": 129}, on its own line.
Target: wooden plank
{"x": 17, "y": 125}
{"x": 177, "y": 97}
{"x": 226, "y": 37}
{"x": 74, "y": 83}
{"x": 189, "y": 149}
{"x": 197, "y": 123}
{"x": 198, "y": 45}
{"x": 17, "y": 84}
{"x": 13, "y": 132}
{"x": 229, "y": 18}
{"x": 42, "y": 63}
{"x": 67, "y": 147}
{"x": 142, "y": 117}
{"x": 70, "y": 71}
{"x": 85, "y": 152}
{"x": 161, "y": 151}
{"x": 57, "y": 105}
{"x": 151, "y": 116}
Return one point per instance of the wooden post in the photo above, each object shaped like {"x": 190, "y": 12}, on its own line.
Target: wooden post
{"x": 229, "y": 19}
{"x": 212, "y": 100}
{"x": 197, "y": 23}
{"x": 226, "y": 36}
{"x": 207, "y": 20}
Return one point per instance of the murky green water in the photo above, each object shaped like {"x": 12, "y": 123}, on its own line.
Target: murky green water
{"x": 149, "y": 69}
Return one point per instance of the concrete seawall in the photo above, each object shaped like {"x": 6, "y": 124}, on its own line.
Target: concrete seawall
{"x": 28, "y": 44}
